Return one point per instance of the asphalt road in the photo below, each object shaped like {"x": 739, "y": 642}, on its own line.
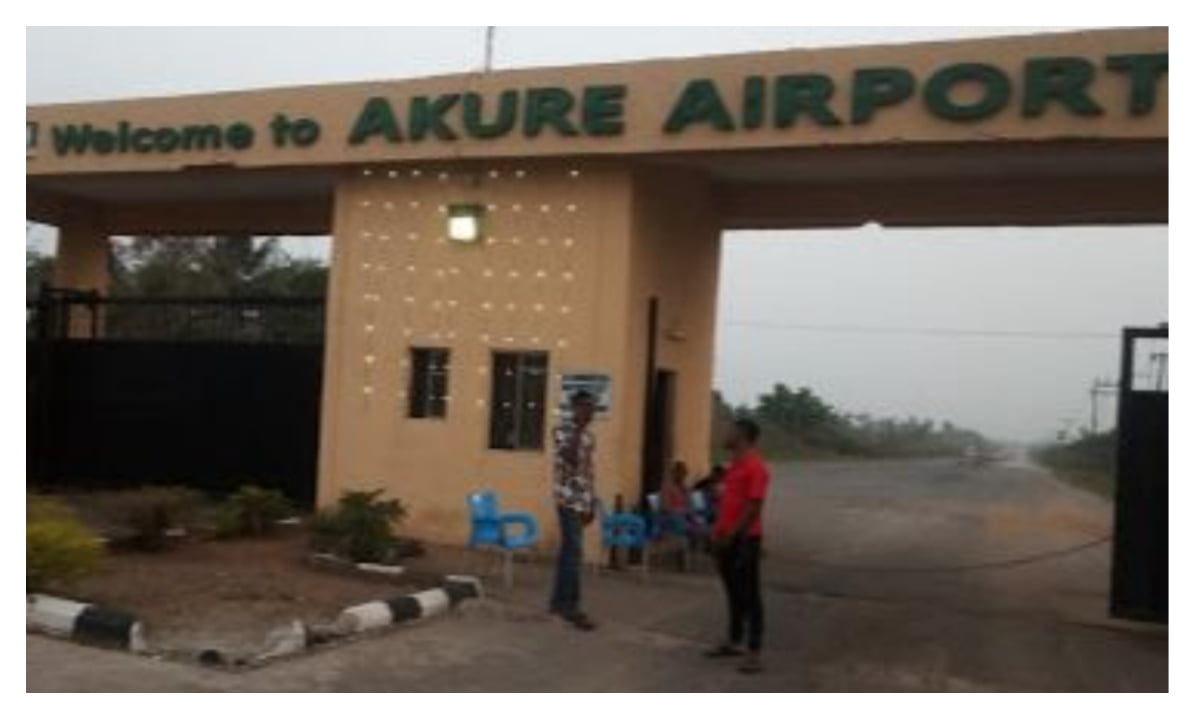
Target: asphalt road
{"x": 896, "y": 576}
{"x": 941, "y": 530}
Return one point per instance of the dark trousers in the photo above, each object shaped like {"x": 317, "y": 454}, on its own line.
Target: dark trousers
{"x": 738, "y": 565}
{"x": 564, "y": 598}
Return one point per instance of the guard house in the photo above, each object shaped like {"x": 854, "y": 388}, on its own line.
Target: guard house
{"x": 499, "y": 237}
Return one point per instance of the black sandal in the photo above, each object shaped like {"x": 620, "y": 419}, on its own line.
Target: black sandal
{"x": 723, "y": 651}
{"x": 580, "y": 621}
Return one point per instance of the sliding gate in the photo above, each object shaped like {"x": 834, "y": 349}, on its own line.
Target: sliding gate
{"x": 205, "y": 392}
{"x": 1139, "y": 566}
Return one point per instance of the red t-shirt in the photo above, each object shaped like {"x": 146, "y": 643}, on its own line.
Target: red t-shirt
{"x": 746, "y": 479}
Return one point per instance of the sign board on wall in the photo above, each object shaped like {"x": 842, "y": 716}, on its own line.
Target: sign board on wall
{"x": 803, "y": 101}
{"x": 599, "y": 385}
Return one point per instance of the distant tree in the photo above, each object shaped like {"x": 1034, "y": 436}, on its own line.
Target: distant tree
{"x": 38, "y": 270}
{"x": 213, "y": 266}
{"x": 237, "y": 266}
{"x": 1089, "y": 460}
{"x": 799, "y": 422}
{"x": 795, "y": 411}
{"x": 722, "y": 415}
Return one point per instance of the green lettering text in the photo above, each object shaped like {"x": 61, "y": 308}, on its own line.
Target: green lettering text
{"x": 878, "y": 87}
{"x": 700, "y": 102}
{"x": 376, "y": 118}
{"x": 1065, "y": 79}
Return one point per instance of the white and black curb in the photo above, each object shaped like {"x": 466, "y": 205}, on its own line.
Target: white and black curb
{"x": 409, "y": 607}
{"x": 84, "y": 622}
{"x": 98, "y": 625}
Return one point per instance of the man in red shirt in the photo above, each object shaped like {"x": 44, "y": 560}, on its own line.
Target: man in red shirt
{"x": 737, "y": 539}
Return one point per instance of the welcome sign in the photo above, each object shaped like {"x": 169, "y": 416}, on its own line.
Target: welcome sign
{"x": 963, "y": 92}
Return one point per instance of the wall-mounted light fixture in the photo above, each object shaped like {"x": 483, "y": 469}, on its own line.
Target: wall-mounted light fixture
{"x": 464, "y": 222}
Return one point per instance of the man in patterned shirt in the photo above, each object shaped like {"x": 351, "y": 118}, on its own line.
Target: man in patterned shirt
{"x": 575, "y": 499}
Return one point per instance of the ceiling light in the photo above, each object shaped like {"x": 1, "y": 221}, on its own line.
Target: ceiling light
{"x": 465, "y": 222}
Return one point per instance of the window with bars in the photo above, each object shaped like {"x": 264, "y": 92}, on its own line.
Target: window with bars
{"x": 429, "y": 382}
{"x": 518, "y": 411}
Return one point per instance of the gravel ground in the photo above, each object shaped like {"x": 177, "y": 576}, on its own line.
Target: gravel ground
{"x": 227, "y": 595}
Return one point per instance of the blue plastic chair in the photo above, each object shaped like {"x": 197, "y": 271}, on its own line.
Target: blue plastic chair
{"x": 661, "y": 524}
{"x": 626, "y": 530}
{"x": 668, "y": 529}
{"x": 490, "y": 528}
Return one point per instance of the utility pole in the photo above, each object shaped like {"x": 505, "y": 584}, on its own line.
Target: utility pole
{"x": 488, "y": 46}
{"x": 1099, "y": 387}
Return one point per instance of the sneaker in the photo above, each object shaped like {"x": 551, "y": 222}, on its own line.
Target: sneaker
{"x": 579, "y": 620}
{"x": 723, "y": 651}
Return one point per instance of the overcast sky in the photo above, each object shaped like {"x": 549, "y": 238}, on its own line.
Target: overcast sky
{"x": 869, "y": 308}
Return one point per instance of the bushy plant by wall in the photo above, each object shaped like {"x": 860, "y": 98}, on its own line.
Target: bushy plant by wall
{"x": 360, "y": 528}
{"x": 58, "y": 547}
{"x": 139, "y": 518}
{"x": 251, "y": 511}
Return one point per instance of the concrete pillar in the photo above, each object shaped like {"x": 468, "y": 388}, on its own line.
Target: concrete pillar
{"x": 83, "y": 252}
{"x": 82, "y": 263}
{"x": 676, "y": 244}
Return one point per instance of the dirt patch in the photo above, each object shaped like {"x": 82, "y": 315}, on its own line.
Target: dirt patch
{"x": 227, "y": 595}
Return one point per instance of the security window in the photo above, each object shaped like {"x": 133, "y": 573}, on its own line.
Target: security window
{"x": 518, "y": 415}
{"x": 429, "y": 382}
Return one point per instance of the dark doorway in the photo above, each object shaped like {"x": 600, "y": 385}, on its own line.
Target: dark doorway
{"x": 208, "y": 393}
{"x": 659, "y": 437}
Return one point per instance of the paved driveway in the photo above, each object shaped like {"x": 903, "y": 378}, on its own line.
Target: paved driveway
{"x": 881, "y": 576}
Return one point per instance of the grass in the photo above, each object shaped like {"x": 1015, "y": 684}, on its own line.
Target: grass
{"x": 1086, "y": 462}
{"x": 1103, "y": 484}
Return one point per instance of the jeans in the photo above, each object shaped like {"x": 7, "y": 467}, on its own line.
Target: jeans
{"x": 738, "y": 564}
{"x": 565, "y": 597}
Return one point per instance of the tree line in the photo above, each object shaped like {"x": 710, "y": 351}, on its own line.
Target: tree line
{"x": 237, "y": 267}
{"x": 208, "y": 266}
{"x": 799, "y": 423}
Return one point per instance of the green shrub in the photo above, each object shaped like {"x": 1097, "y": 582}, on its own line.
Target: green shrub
{"x": 58, "y": 547}
{"x": 140, "y": 518}
{"x": 359, "y": 528}
{"x": 251, "y": 511}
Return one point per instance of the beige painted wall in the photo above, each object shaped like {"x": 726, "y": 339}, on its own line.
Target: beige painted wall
{"x": 676, "y": 258}
{"x": 550, "y": 275}
{"x": 398, "y": 284}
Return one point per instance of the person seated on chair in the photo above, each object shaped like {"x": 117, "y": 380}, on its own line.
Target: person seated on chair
{"x": 679, "y": 518}
{"x": 710, "y": 487}
{"x": 676, "y": 507}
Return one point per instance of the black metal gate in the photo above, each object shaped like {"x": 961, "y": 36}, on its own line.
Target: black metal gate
{"x": 205, "y": 392}
{"x": 1139, "y": 566}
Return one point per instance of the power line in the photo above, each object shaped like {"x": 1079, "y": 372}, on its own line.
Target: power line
{"x": 926, "y": 331}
